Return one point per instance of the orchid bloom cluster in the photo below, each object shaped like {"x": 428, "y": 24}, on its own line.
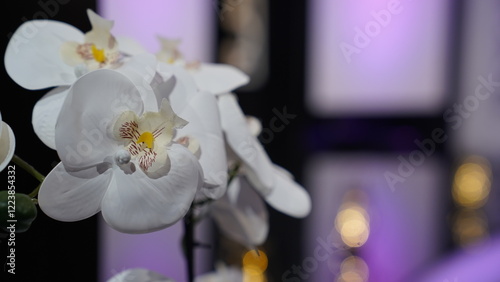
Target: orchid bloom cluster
{"x": 144, "y": 138}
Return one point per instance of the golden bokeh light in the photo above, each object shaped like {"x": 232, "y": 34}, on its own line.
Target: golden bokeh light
{"x": 471, "y": 184}
{"x": 353, "y": 269}
{"x": 352, "y": 222}
{"x": 470, "y": 226}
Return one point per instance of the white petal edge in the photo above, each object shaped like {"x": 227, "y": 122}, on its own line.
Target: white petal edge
{"x": 222, "y": 273}
{"x": 218, "y": 78}
{"x": 180, "y": 90}
{"x": 67, "y": 198}
{"x": 204, "y": 124}
{"x": 139, "y": 275}
{"x": 130, "y": 46}
{"x": 141, "y": 70}
{"x": 7, "y": 144}
{"x": 242, "y": 216}
{"x": 45, "y": 114}
{"x": 136, "y": 204}
{"x": 287, "y": 196}
{"x": 33, "y": 59}
{"x": 257, "y": 164}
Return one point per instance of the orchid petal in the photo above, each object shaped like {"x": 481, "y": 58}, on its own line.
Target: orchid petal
{"x": 241, "y": 214}
{"x": 204, "y": 126}
{"x": 68, "y": 198}
{"x": 141, "y": 70}
{"x": 45, "y": 113}
{"x": 166, "y": 119}
{"x": 257, "y": 165}
{"x": 287, "y": 196}
{"x": 157, "y": 168}
{"x": 222, "y": 273}
{"x": 139, "y": 275}
{"x": 69, "y": 54}
{"x": 93, "y": 102}
{"x": 33, "y": 59}
{"x": 135, "y": 203}
{"x": 7, "y": 144}
{"x": 130, "y": 46}
{"x": 100, "y": 34}
{"x": 179, "y": 90}
{"x": 218, "y": 78}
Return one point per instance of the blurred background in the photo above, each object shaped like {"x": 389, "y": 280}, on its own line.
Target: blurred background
{"x": 389, "y": 114}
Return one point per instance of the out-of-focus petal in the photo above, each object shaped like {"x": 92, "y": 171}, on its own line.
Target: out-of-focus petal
{"x": 68, "y": 198}
{"x": 141, "y": 70}
{"x": 69, "y": 53}
{"x": 222, "y": 273}
{"x": 135, "y": 203}
{"x": 33, "y": 59}
{"x": 179, "y": 89}
{"x": 93, "y": 102}
{"x": 130, "y": 46}
{"x": 257, "y": 165}
{"x": 7, "y": 144}
{"x": 287, "y": 196}
{"x": 139, "y": 275}
{"x": 204, "y": 125}
{"x": 100, "y": 34}
{"x": 241, "y": 214}
{"x": 218, "y": 78}
{"x": 45, "y": 113}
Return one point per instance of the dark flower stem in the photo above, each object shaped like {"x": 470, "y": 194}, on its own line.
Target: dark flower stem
{"x": 189, "y": 243}
{"x": 31, "y": 170}
{"x": 190, "y": 221}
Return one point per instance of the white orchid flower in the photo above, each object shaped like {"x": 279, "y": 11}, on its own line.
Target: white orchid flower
{"x": 214, "y": 78}
{"x": 272, "y": 182}
{"x": 47, "y": 53}
{"x": 119, "y": 155}
{"x": 7, "y": 144}
{"x": 139, "y": 275}
{"x": 203, "y": 131}
{"x": 241, "y": 214}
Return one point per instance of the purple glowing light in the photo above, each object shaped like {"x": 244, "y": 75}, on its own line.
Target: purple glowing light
{"x": 382, "y": 57}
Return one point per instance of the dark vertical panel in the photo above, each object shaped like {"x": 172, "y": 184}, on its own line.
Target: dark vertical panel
{"x": 50, "y": 250}
{"x": 282, "y": 95}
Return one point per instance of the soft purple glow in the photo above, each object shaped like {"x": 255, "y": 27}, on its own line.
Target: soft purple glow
{"x": 404, "y": 223}
{"x": 477, "y": 263}
{"x": 158, "y": 251}
{"x": 478, "y": 133}
{"x": 193, "y": 23}
{"x": 190, "y": 21}
{"x": 382, "y": 57}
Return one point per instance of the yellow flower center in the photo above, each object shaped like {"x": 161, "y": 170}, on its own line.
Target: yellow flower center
{"x": 147, "y": 138}
{"x": 98, "y": 54}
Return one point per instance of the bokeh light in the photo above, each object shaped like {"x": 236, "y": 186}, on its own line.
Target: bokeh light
{"x": 471, "y": 185}
{"x": 352, "y": 222}
{"x": 470, "y": 226}
{"x": 353, "y": 269}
